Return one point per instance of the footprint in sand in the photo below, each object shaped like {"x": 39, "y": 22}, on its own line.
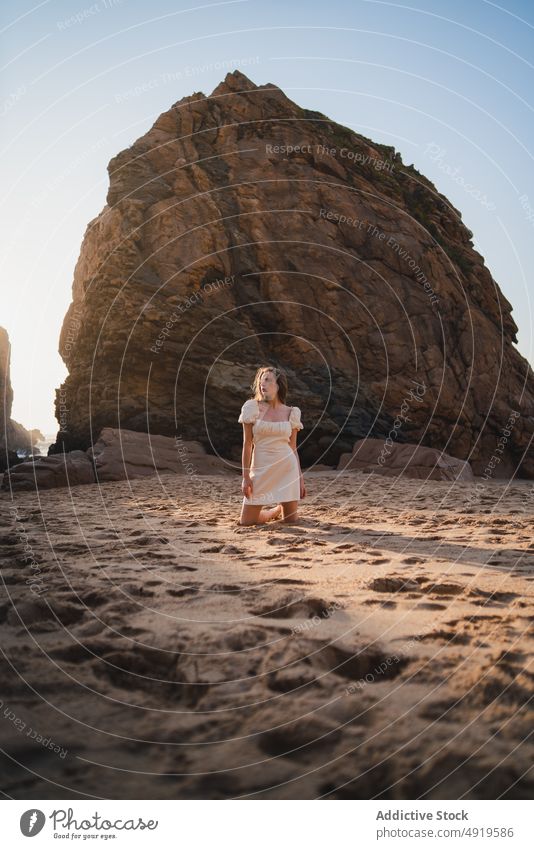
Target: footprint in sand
{"x": 502, "y": 685}
{"x": 245, "y": 637}
{"x": 292, "y": 664}
{"x": 184, "y": 591}
{"x": 479, "y": 596}
{"x": 442, "y": 636}
{"x": 147, "y": 540}
{"x": 80, "y": 653}
{"x": 444, "y": 589}
{"x": 414, "y": 587}
{"x": 232, "y": 549}
{"x": 291, "y": 607}
{"x": 150, "y": 670}
{"x": 298, "y": 740}
{"x": 97, "y": 597}
{"x": 430, "y": 605}
{"x": 290, "y": 581}
{"x": 37, "y": 613}
{"x": 380, "y": 602}
{"x": 134, "y": 589}
{"x": 393, "y": 584}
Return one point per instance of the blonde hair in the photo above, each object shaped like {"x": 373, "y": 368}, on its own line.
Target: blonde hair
{"x": 280, "y": 377}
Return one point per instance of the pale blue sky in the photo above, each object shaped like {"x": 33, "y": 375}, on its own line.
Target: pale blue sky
{"x": 454, "y": 78}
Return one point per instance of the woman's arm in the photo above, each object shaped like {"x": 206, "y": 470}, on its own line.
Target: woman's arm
{"x": 246, "y": 458}
{"x": 293, "y": 444}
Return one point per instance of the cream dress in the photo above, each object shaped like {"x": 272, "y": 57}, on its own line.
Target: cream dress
{"x": 274, "y": 469}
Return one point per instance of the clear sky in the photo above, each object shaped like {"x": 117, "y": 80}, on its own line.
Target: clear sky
{"x": 449, "y": 85}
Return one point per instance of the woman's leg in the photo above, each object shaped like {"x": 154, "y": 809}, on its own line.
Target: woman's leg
{"x": 255, "y": 514}
{"x": 272, "y": 512}
{"x": 289, "y": 511}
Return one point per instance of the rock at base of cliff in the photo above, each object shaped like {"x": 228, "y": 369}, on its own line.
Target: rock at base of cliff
{"x": 117, "y": 455}
{"x": 71, "y": 469}
{"x": 125, "y": 454}
{"x": 413, "y": 461}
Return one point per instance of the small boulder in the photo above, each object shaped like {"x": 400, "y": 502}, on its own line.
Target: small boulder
{"x": 70, "y": 469}
{"x": 413, "y": 461}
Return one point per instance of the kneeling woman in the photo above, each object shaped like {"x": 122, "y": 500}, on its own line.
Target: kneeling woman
{"x": 271, "y": 466}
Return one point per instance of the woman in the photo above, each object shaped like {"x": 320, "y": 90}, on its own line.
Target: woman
{"x": 273, "y": 473}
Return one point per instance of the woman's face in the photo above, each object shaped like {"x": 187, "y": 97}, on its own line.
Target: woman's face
{"x": 268, "y": 386}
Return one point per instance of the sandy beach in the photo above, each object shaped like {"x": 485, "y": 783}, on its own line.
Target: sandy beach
{"x": 380, "y": 648}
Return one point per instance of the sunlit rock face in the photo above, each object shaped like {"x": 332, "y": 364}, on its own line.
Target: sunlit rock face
{"x": 243, "y": 230}
{"x": 13, "y": 436}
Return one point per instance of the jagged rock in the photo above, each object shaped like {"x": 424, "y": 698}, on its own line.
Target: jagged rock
{"x": 241, "y": 230}
{"x": 414, "y": 461}
{"x": 70, "y": 469}
{"x": 6, "y": 390}
{"x": 125, "y": 454}
{"x": 13, "y": 436}
{"x": 8, "y": 459}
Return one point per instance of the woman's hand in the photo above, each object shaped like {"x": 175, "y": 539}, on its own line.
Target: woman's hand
{"x": 246, "y": 486}
{"x": 302, "y": 488}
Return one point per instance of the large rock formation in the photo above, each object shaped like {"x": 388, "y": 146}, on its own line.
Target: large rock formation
{"x": 13, "y": 436}
{"x": 241, "y": 230}
{"x": 125, "y": 454}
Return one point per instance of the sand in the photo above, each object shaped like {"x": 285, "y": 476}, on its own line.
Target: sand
{"x": 380, "y": 648}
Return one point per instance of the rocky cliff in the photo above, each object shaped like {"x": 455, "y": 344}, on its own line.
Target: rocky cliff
{"x": 13, "y": 436}
{"x": 241, "y": 230}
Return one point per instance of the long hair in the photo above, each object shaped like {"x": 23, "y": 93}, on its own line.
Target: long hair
{"x": 280, "y": 377}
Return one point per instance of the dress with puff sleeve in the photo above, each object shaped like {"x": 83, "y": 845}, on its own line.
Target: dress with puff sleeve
{"x": 249, "y": 411}
{"x": 294, "y": 418}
